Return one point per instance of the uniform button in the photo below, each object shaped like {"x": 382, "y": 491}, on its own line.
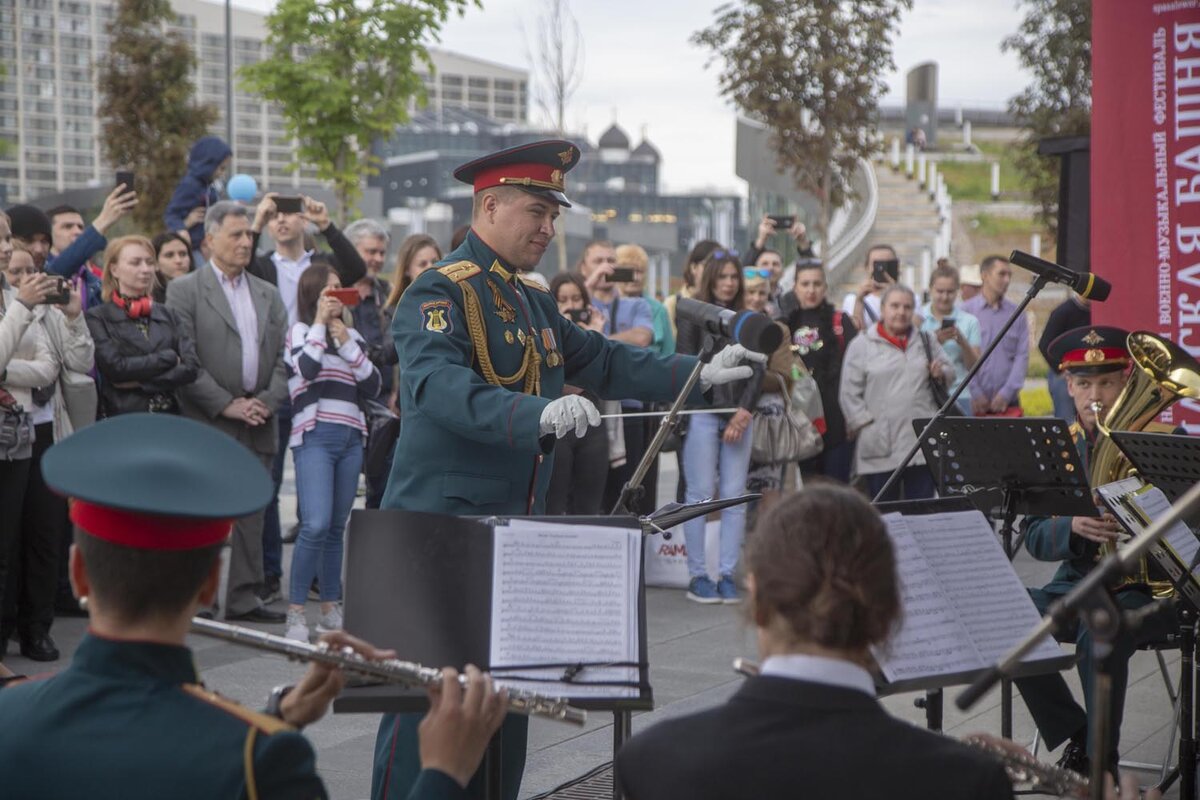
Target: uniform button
{"x": 541, "y": 458}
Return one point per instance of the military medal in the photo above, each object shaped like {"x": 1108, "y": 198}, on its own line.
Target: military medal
{"x": 520, "y": 336}
{"x": 504, "y": 309}
{"x": 553, "y": 357}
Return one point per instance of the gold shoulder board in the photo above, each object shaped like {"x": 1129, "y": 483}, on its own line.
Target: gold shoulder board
{"x": 532, "y": 284}
{"x": 263, "y": 722}
{"x": 460, "y": 271}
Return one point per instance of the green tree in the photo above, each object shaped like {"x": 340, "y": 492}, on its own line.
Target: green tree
{"x": 343, "y": 73}
{"x": 1054, "y": 42}
{"x": 149, "y": 115}
{"x": 813, "y": 72}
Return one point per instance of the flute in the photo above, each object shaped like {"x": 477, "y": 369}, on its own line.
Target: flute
{"x": 1025, "y": 771}
{"x": 390, "y": 670}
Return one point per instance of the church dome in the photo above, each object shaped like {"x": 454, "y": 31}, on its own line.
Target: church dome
{"x": 647, "y": 149}
{"x": 614, "y": 139}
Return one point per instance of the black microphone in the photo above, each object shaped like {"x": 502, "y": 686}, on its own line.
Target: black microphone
{"x": 1086, "y": 284}
{"x": 751, "y": 329}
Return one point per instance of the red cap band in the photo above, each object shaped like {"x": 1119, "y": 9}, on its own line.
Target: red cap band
{"x": 531, "y": 175}
{"x": 1089, "y": 356}
{"x": 148, "y": 531}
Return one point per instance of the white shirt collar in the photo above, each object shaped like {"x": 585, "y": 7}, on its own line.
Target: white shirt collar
{"x": 819, "y": 669}
{"x": 222, "y": 277}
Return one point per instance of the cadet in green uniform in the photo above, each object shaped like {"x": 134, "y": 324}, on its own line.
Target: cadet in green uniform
{"x": 1095, "y": 362}
{"x": 484, "y": 354}
{"x": 154, "y": 497}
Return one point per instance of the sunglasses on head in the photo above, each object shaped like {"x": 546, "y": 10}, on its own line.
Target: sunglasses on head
{"x": 718, "y": 255}
{"x": 756, "y": 272}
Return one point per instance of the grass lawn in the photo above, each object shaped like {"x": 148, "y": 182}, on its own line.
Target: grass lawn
{"x": 972, "y": 180}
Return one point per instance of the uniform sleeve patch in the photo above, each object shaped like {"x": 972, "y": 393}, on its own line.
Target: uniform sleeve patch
{"x": 436, "y": 316}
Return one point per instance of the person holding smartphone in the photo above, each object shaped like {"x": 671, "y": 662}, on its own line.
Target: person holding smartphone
{"x": 882, "y": 270}
{"x": 328, "y": 372}
{"x": 956, "y": 330}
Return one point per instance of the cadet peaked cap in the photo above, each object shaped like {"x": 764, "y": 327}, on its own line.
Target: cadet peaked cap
{"x": 537, "y": 168}
{"x": 156, "y": 481}
{"x": 1090, "y": 350}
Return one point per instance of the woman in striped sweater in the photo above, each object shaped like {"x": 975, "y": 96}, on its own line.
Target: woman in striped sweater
{"x": 328, "y": 371}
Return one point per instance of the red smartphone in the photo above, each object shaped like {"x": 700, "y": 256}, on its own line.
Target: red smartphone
{"x": 347, "y": 297}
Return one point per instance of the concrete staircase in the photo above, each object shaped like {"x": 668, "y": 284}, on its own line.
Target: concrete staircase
{"x": 907, "y": 219}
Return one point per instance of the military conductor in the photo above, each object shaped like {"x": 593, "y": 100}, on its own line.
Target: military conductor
{"x": 484, "y": 355}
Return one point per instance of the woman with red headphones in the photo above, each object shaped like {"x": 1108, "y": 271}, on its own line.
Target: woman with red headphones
{"x": 142, "y": 352}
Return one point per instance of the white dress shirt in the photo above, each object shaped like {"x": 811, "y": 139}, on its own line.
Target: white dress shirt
{"x": 818, "y": 669}
{"x": 237, "y": 292}
{"x": 289, "y": 273}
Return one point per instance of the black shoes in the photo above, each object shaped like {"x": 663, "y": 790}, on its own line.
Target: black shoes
{"x": 1075, "y": 758}
{"x": 260, "y": 614}
{"x": 39, "y": 648}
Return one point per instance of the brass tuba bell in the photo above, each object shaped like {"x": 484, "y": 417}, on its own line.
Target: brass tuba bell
{"x": 1163, "y": 373}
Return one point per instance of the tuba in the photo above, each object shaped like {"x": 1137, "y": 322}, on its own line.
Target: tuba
{"x": 1163, "y": 373}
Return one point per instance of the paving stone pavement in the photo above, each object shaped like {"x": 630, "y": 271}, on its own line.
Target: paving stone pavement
{"x": 691, "y": 648}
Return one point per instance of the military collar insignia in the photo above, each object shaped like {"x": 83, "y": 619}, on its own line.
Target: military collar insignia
{"x": 504, "y": 274}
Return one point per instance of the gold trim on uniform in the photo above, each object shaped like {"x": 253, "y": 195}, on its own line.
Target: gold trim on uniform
{"x": 498, "y": 269}
{"x": 532, "y": 284}
{"x": 527, "y": 181}
{"x": 459, "y": 271}
{"x": 263, "y": 722}
{"x": 530, "y": 369}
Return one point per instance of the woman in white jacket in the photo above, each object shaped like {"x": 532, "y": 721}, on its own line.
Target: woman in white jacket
{"x": 34, "y": 559}
{"x": 885, "y": 385}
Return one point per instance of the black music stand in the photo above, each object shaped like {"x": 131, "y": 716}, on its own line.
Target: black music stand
{"x": 1024, "y": 465}
{"x": 421, "y": 583}
{"x": 1169, "y": 461}
{"x": 933, "y": 701}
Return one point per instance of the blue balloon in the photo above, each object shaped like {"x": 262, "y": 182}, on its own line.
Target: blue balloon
{"x": 241, "y": 187}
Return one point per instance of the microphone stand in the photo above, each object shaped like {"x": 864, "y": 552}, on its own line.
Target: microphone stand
{"x": 1092, "y": 603}
{"x": 1039, "y": 283}
{"x": 631, "y": 492}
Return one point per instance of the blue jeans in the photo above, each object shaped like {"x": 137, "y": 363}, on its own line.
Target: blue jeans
{"x": 272, "y": 534}
{"x": 705, "y": 455}
{"x": 327, "y": 465}
{"x": 1064, "y": 406}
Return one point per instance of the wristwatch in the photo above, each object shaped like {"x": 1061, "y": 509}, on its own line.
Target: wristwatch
{"x": 275, "y": 700}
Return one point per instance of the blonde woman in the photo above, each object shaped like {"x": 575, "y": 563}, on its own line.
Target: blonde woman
{"x": 142, "y": 352}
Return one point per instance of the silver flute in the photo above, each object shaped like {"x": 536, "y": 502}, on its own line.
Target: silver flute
{"x": 388, "y": 670}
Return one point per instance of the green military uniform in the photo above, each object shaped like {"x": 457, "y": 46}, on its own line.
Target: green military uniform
{"x": 129, "y": 718}
{"x": 482, "y": 352}
{"x": 1082, "y": 351}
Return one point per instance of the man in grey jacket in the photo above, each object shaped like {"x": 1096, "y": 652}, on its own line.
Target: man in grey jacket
{"x": 238, "y": 323}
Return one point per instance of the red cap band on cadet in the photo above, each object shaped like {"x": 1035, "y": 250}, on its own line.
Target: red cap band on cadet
{"x": 1091, "y": 356}
{"x": 539, "y": 176}
{"x": 148, "y": 531}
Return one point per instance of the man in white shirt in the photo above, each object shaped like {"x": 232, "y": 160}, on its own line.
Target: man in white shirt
{"x": 862, "y": 305}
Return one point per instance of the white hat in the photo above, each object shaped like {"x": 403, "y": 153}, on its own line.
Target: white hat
{"x": 969, "y": 275}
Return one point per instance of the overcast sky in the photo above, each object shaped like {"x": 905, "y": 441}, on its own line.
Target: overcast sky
{"x": 640, "y": 69}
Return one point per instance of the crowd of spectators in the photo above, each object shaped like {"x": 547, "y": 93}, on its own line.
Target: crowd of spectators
{"x": 289, "y": 350}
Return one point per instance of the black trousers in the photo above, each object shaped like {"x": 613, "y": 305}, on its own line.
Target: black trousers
{"x": 13, "y": 477}
{"x": 34, "y": 552}
{"x": 580, "y": 472}
{"x": 635, "y": 446}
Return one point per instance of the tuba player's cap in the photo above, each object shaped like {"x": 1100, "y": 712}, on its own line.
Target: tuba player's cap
{"x": 156, "y": 481}
{"x": 538, "y": 168}
{"x": 1090, "y": 350}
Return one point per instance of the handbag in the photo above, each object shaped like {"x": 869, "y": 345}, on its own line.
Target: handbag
{"x": 78, "y": 397}
{"x": 16, "y": 429}
{"x": 383, "y": 429}
{"x": 940, "y": 393}
{"x": 790, "y": 436}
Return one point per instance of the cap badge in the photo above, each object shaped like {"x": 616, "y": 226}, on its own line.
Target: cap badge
{"x": 566, "y": 155}
{"x": 1093, "y": 338}
{"x": 1094, "y": 355}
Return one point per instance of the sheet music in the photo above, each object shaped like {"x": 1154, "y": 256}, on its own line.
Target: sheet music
{"x": 1154, "y": 504}
{"x": 932, "y": 639}
{"x": 963, "y": 603}
{"x": 566, "y": 593}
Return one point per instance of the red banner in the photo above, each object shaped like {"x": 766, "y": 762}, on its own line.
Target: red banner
{"x": 1145, "y": 182}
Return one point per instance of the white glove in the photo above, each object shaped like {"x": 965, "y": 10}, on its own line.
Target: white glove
{"x": 726, "y": 366}
{"x": 565, "y": 414}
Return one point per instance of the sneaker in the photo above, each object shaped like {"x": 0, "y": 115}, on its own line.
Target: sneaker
{"x": 314, "y": 591}
{"x": 270, "y": 592}
{"x": 727, "y": 589}
{"x": 703, "y": 590}
{"x": 297, "y": 626}
{"x": 331, "y": 621}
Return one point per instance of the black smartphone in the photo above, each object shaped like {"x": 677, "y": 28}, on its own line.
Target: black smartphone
{"x": 289, "y": 205}
{"x": 61, "y": 296}
{"x": 889, "y": 267}
{"x": 125, "y": 178}
{"x": 783, "y": 223}
{"x": 622, "y": 275}
{"x": 580, "y": 316}
{"x": 947, "y": 322}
